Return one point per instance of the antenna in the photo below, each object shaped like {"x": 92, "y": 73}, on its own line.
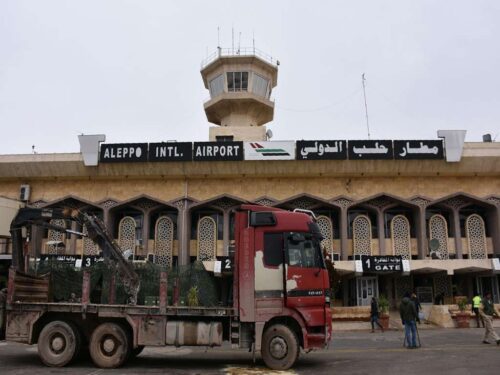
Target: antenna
{"x": 218, "y": 36}
{"x": 232, "y": 40}
{"x": 239, "y": 43}
{"x": 366, "y": 107}
{"x": 253, "y": 41}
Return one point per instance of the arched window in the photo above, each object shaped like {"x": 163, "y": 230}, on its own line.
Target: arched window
{"x": 400, "y": 234}
{"x": 126, "y": 234}
{"x": 326, "y": 229}
{"x": 55, "y": 238}
{"x": 164, "y": 237}
{"x": 476, "y": 237}
{"x": 207, "y": 238}
{"x": 362, "y": 235}
{"x": 438, "y": 230}
{"x": 89, "y": 246}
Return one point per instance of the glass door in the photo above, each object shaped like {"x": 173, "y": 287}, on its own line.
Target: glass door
{"x": 367, "y": 287}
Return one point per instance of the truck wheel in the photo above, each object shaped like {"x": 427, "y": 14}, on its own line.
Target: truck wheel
{"x": 109, "y": 345}
{"x": 280, "y": 347}
{"x": 58, "y": 343}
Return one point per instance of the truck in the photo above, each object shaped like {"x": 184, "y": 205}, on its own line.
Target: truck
{"x": 279, "y": 296}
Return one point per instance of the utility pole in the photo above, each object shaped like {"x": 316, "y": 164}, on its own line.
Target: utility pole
{"x": 366, "y": 107}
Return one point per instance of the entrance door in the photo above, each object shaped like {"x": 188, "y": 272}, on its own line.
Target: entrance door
{"x": 488, "y": 284}
{"x": 367, "y": 287}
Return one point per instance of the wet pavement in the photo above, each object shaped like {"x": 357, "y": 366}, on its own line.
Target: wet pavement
{"x": 456, "y": 351}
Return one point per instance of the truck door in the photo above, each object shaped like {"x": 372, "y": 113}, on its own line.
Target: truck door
{"x": 305, "y": 277}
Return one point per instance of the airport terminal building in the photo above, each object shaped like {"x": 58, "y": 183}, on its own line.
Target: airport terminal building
{"x": 426, "y": 211}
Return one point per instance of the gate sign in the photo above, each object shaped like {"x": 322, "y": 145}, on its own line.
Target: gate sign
{"x": 269, "y": 150}
{"x": 382, "y": 264}
{"x": 171, "y": 151}
{"x": 218, "y": 151}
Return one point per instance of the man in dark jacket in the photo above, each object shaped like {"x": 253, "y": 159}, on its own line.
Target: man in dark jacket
{"x": 409, "y": 315}
{"x": 374, "y": 315}
{"x": 487, "y": 312}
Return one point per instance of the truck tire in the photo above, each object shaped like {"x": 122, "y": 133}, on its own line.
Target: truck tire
{"x": 58, "y": 343}
{"x": 280, "y": 347}
{"x": 109, "y": 345}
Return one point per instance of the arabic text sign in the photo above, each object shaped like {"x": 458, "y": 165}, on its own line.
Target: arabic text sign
{"x": 425, "y": 149}
{"x": 171, "y": 151}
{"x": 218, "y": 151}
{"x": 269, "y": 150}
{"x": 374, "y": 150}
{"x": 381, "y": 264}
{"x": 321, "y": 150}
{"x": 123, "y": 152}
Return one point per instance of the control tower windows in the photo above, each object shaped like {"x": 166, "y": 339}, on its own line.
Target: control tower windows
{"x": 260, "y": 86}
{"x": 237, "y": 81}
{"x": 217, "y": 86}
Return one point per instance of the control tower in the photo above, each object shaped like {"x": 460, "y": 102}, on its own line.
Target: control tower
{"x": 240, "y": 84}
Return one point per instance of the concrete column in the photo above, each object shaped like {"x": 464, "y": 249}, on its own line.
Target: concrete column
{"x": 381, "y": 231}
{"x": 344, "y": 238}
{"x": 225, "y": 232}
{"x": 145, "y": 232}
{"x": 421, "y": 233}
{"x": 72, "y": 241}
{"x": 458, "y": 235}
{"x": 184, "y": 233}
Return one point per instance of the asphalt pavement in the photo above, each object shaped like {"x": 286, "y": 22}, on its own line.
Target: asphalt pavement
{"x": 454, "y": 351}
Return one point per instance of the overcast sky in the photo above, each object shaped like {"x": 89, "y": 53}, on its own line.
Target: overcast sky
{"x": 130, "y": 69}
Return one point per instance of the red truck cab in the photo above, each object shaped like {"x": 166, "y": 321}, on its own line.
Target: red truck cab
{"x": 281, "y": 282}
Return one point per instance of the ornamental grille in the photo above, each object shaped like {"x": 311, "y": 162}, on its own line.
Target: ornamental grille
{"x": 442, "y": 284}
{"x": 145, "y": 204}
{"x": 225, "y": 203}
{"x": 343, "y": 202}
{"x": 379, "y": 202}
{"x": 164, "y": 237}
{"x": 179, "y": 204}
{"x": 326, "y": 230}
{"x": 265, "y": 202}
{"x": 494, "y": 200}
{"x": 403, "y": 285}
{"x": 456, "y": 202}
{"x": 207, "y": 238}
{"x": 421, "y": 202}
{"x": 362, "y": 235}
{"x": 38, "y": 204}
{"x": 303, "y": 203}
{"x": 55, "y": 235}
{"x": 109, "y": 203}
{"x": 476, "y": 237}
{"x": 126, "y": 234}
{"x": 89, "y": 246}
{"x": 400, "y": 229}
{"x": 438, "y": 230}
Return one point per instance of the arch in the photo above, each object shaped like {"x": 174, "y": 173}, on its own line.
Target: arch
{"x": 326, "y": 229}
{"x": 362, "y": 235}
{"x": 400, "y": 234}
{"x": 55, "y": 237}
{"x": 164, "y": 238}
{"x": 438, "y": 229}
{"x": 126, "y": 234}
{"x": 476, "y": 237}
{"x": 207, "y": 238}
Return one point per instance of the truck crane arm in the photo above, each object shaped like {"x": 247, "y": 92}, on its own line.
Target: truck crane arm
{"x": 96, "y": 231}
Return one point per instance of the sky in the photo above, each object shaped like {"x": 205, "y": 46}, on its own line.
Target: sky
{"x": 130, "y": 69}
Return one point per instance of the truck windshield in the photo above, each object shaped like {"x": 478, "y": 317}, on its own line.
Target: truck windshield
{"x": 305, "y": 253}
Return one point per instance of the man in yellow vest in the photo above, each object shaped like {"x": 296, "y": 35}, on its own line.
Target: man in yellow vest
{"x": 476, "y": 304}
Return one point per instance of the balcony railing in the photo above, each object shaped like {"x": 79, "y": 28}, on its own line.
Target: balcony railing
{"x": 233, "y": 52}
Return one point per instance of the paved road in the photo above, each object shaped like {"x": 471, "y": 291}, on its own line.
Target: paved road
{"x": 454, "y": 351}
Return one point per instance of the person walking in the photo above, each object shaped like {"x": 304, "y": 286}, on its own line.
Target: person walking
{"x": 487, "y": 312}
{"x": 374, "y": 315}
{"x": 417, "y": 304}
{"x": 476, "y": 304}
{"x": 408, "y": 314}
